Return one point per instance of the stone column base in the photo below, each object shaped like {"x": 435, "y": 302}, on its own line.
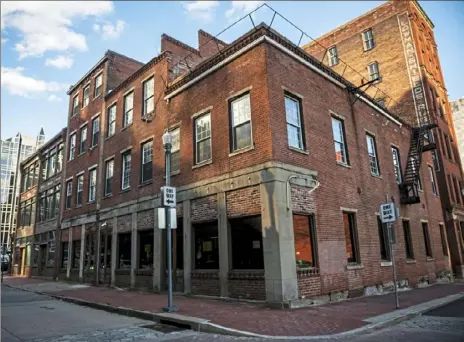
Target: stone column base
{"x": 459, "y": 271}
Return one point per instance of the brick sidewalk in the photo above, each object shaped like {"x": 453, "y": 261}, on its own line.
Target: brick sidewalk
{"x": 320, "y": 320}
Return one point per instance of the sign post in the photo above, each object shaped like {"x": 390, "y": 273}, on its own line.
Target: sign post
{"x": 388, "y": 215}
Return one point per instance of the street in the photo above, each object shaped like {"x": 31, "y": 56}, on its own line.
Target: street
{"x": 27, "y": 316}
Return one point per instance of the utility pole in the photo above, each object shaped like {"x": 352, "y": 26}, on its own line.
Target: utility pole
{"x": 167, "y": 143}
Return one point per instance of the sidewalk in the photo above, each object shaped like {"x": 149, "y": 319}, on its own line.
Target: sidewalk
{"x": 249, "y": 318}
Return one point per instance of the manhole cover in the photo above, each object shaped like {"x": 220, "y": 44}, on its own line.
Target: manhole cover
{"x": 164, "y": 328}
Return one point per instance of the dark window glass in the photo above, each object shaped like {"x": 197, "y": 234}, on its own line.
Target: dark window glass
{"x": 124, "y": 250}
{"x": 444, "y": 243}
{"x": 76, "y": 246}
{"x": 146, "y": 249}
{"x": 408, "y": 240}
{"x": 349, "y": 223}
{"x": 383, "y": 240}
{"x": 304, "y": 231}
{"x": 64, "y": 254}
{"x": 428, "y": 247}
{"x": 206, "y": 246}
{"x": 147, "y": 163}
{"x": 247, "y": 243}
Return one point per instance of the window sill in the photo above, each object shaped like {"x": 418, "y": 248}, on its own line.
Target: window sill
{"x": 243, "y": 150}
{"x": 96, "y": 97}
{"x": 91, "y": 148}
{"x": 354, "y": 266}
{"x": 109, "y": 137}
{"x": 344, "y": 165}
{"x": 202, "y": 164}
{"x": 107, "y": 196}
{"x": 298, "y": 150}
{"x": 78, "y": 206}
{"x": 125, "y": 190}
{"x": 386, "y": 263}
{"x": 174, "y": 173}
{"x": 410, "y": 261}
{"x": 126, "y": 127}
{"x": 80, "y": 154}
{"x": 148, "y": 182}
{"x": 376, "y": 176}
{"x": 429, "y": 259}
{"x": 91, "y": 202}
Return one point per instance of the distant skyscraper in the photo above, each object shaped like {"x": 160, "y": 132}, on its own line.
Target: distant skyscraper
{"x": 13, "y": 151}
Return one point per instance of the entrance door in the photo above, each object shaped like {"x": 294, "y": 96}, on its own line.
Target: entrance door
{"x": 42, "y": 259}
{"x": 104, "y": 276}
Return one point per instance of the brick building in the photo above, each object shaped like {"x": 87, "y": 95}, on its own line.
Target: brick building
{"x": 393, "y": 47}
{"x": 457, "y": 107}
{"x": 39, "y": 210}
{"x": 279, "y": 171}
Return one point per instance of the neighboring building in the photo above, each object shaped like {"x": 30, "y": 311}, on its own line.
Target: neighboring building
{"x": 13, "y": 151}
{"x": 279, "y": 176}
{"x": 457, "y": 107}
{"x": 393, "y": 46}
{"x": 39, "y": 210}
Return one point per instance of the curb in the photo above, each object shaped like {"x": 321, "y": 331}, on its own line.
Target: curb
{"x": 203, "y": 325}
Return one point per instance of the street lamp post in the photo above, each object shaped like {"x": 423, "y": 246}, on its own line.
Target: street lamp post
{"x": 167, "y": 143}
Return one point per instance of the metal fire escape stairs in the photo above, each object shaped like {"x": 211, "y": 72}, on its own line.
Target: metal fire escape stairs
{"x": 422, "y": 140}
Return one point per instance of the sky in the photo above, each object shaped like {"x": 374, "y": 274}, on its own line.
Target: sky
{"x": 48, "y": 46}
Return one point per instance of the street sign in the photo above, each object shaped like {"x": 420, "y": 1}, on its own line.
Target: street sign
{"x": 387, "y": 212}
{"x": 169, "y": 196}
{"x": 162, "y": 218}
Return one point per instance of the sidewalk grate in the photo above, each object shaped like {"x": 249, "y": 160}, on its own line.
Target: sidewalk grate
{"x": 167, "y": 327}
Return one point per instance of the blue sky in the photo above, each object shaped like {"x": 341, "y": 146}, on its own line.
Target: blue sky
{"x": 48, "y": 46}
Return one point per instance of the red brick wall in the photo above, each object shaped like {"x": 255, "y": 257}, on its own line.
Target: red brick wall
{"x": 205, "y": 283}
{"x": 124, "y": 223}
{"x": 247, "y": 285}
{"x": 208, "y": 44}
{"x": 204, "y": 209}
{"x": 308, "y": 285}
{"x": 302, "y": 200}
{"x": 145, "y": 219}
{"x": 243, "y": 202}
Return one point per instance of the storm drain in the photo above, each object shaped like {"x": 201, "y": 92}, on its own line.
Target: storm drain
{"x": 167, "y": 327}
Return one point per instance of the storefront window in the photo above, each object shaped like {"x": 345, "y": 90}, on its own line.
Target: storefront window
{"x": 247, "y": 243}
{"x": 76, "y": 254}
{"x": 51, "y": 253}
{"x": 124, "y": 250}
{"x": 35, "y": 255}
{"x": 146, "y": 249}
{"x": 305, "y": 241}
{"x": 206, "y": 246}
{"x": 64, "y": 254}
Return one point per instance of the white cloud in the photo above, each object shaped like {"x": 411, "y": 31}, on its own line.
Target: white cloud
{"x": 54, "y": 98}
{"x": 201, "y": 10}
{"x": 48, "y": 25}
{"x": 16, "y": 83}
{"x": 240, "y": 8}
{"x": 110, "y": 31}
{"x": 60, "y": 62}
{"x": 4, "y": 40}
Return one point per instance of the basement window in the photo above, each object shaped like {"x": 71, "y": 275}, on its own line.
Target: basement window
{"x": 247, "y": 243}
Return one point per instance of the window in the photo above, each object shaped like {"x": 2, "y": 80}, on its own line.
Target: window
{"x": 83, "y": 139}
{"x": 148, "y": 96}
{"x": 294, "y": 124}
{"x": 240, "y": 113}
{"x": 68, "y": 194}
{"x": 333, "y": 56}
{"x": 128, "y": 109}
{"x": 448, "y": 147}
{"x": 124, "y": 250}
{"x": 126, "y": 170}
{"x": 247, "y": 243}
{"x": 42, "y": 205}
{"x": 80, "y": 190}
{"x": 428, "y": 248}
{"x": 372, "y": 152}
{"x": 408, "y": 240}
{"x": 203, "y": 138}
{"x": 27, "y": 209}
{"x": 147, "y": 164}
{"x": 351, "y": 238}
{"x": 374, "y": 73}
{"x": 72, "y": 146}
{"x": 146, "y": 249}
{"x": 451, "y": 190}
{"x": 432, "y": 180}
{"x": 368, "y": 40}
{"x": 95, "y": 131}
{"x": 92, "y": 184}
{"x": 444, "y": 243}
{"x": 175, "y": 150}
{"x": 64, "y": 254}
{"x": 383, "y": 240}
{"x": 51, "y": 161}
{"x": 98, "y": 85}
{"x": 397, "y": 164}
{"x": 86, "y": 96}
{"x": 338, "y": 130}
{"x": 56, "y": 201}
{"x": 436, "y": 162}
{"x": 206, "y": 245}
{"x": 75, "y": 108}
{"x": 51, "y": 252}
{"x": 111, "y": 120}
{"x": 76, "y": 255}
{"x": 59, "y": 159}
{"x": 109, "y": 170}
{"x": 457, "y": 190}
{"x": 304, "y": 231}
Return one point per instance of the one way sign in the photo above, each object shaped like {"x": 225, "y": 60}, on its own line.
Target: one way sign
{"x": 169, "y": 196}
{"x": 388, "y": 212}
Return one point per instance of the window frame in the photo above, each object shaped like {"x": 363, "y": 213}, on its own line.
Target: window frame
{"x": 125, "y": 121}
{"x": 356, "y": 258}
{"x": 331, "y": 56}
{"x": 84, "y": 98}
{"x": 95, "y": 131}
{"x": 111, "y": 123}
{"x": 124, "y": 168}
{"x": 197, "y": 141}
{"x": 75, "y": 108}
{"x": 444, "y": 240}
{"x": 397, "y": 166}
{"x": 175, "y": 151}
{"x": 143, "y": 162}
{"x": 72, "y": 146}
{"x": 233, "y": 126}
{"x": 375, "y": 156}
{"x": 409, "y": 252}
{"x": 366, "y": 39}
{"x": 96, "y": 87}
{"x": 427, "y": 242}
{"x": 300, "y": 128}
{"x": 83, "y": 142}
{"x": 92, "y": 185}
{"x": 79, "y": 190}
{"x": 69, "y": 186}
{"x": 432, "y": 180}
{"x": 341, "y": 123}
{"x": 384, "y": 242}
{"x": 376, "y": 72}
{"x": 146, "y": 99}
{"x": 108, "y": 179}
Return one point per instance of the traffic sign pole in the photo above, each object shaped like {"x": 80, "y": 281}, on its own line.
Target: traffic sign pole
{"x": 392, "y": 253}
{"x": 388, "y": 214}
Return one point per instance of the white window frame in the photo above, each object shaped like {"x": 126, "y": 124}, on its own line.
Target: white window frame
{"x": 175, "y": 147}
{"x": 198, "y": 141}
{"x": 75, "y": 109}
{"x": 368, "y": 40}
{"x": 341, "y": 143}
{"x": 373, "y": 158}
{"x": 96, "y": 86}
{"x": 298, "y": 126}
{"x": 150, "y": 98}
{"x": 83, "y": 139}
{"x": 397, "y": 164}
{"x": 68, "y": 194}
{"x": 72, "y": 146}
{"x": 79, "y": 189}
{"x": 374, "y": 72}
{"x": 126, "y": 170}
{"x": 127, "y": 119}
{"x": 107, "y": 175}
{"x": 332, "y": 55}
{"x": 247, "y": 120}
{"x": 147, "y": 153}
{"x": 95, "y": 130}
{"x": 92, "y": 184}
{"x": 86, "y": 99}
{"x": 112, "y": 111}
{"x": 432, "y": 180}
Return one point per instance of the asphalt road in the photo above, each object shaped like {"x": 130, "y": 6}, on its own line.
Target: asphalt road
{"x": 31, "y": 317}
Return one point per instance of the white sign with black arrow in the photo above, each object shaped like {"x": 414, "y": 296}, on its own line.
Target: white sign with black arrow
{"x": 169, "y": 196}
{"x": 388, "y": 212}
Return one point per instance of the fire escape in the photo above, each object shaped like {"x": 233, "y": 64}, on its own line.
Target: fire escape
{"x": 422, "y": 140}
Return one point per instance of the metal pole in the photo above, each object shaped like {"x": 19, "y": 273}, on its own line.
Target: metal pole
{"x": 392, "y": 253}
{"x": 170, "y": 307}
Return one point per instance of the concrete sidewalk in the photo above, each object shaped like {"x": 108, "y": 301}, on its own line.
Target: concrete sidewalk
{"x": 246, "y": 319}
